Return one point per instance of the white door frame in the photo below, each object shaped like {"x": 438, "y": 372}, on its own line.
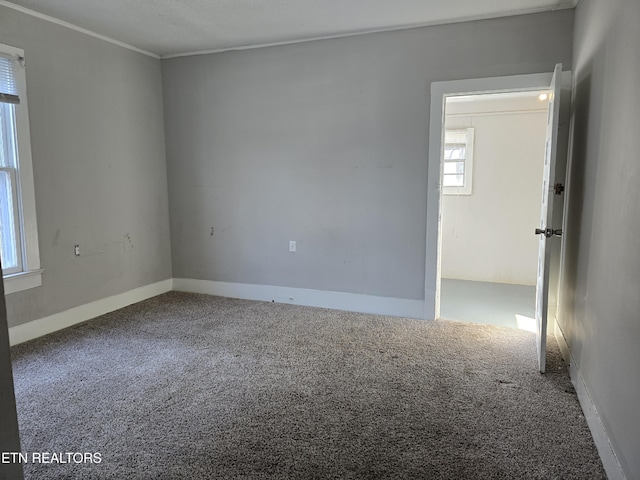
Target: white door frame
{"x": 439, "y": 92}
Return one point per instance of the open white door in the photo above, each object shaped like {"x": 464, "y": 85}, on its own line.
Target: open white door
{"x": 546, "y": 230}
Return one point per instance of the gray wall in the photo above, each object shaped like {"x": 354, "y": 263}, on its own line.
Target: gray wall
{"x": 99, "y": 166}
{"x": 600, "y": 304}
{"x": 324, "y": 143}
{"x": 9, "y": 437}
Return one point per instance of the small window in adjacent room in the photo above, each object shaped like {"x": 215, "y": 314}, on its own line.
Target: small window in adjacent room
{"x": 457, "y": 163}
{"x": 18, "y": 228}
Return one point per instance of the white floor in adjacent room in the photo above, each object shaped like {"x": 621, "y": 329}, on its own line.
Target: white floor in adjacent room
{"x": 490, "y": 303}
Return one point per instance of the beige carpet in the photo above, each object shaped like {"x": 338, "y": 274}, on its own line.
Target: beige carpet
{"x": 186, "y": 386}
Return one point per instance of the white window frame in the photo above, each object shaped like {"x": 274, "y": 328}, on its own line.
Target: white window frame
{"x": 467, "y": 187}
{"x": 30, "y": 275}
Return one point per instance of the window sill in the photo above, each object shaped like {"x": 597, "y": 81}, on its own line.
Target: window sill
{"x": 455, "y": 191}
{"x": 17, "y": 282}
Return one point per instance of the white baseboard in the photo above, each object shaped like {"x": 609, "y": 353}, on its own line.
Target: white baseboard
{"x": 43, "y": 326}
{"x": 562, "y": 342}
{"x": 399, "y": 307}
{"x": 353, "y": 302}
{"x": 609, "y": 459}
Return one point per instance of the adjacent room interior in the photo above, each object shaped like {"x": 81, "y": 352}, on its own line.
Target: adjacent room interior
{"x": 219, "y": 241}
{"x": 492, "y": 180}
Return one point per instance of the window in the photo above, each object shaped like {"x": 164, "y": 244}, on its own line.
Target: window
{"x": 18, "y": 228}
{"x": 457, "y": 163}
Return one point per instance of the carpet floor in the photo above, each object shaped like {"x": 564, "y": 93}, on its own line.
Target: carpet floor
{"x": 187, "y": 386}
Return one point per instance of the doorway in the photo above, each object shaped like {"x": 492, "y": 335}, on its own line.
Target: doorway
{"x": 439, "y": 92}
{"x": 492, "y": 168}
{"x": 549, "y": 253}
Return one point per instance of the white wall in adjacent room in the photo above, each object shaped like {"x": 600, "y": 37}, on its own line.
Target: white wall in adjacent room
{"x": 489, "y": 235}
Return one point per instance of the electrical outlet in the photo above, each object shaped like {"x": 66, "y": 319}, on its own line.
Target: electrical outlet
{"x": 76, "y": 250}
{"x": 292, "y": 245}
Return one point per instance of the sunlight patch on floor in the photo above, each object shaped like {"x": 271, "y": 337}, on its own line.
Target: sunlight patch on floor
{"x": 526, "y": 323}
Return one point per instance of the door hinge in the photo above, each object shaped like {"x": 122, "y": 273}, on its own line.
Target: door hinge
{"x": 558, "y": 188}
{"x": 549, "y": 232}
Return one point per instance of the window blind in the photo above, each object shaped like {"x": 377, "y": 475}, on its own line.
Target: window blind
{"x": 8, "y": 87}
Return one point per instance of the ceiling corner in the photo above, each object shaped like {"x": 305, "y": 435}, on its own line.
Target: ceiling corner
{"x": 62, "y": 23}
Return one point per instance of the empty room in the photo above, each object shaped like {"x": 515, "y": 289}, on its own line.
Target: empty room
{"x": 233, "y": 233}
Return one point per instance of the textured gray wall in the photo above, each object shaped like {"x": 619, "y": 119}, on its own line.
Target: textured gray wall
{"x": 325, "y": 143}
{"x": 600, "y": 305}
{"x": 9, "y": 437}
{"x": 99, "y": 166}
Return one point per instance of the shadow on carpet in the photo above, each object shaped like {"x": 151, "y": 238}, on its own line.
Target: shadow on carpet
{"x": 187, "y": 386}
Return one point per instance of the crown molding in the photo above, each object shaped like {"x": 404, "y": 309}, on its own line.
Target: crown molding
{"x": 562, "y": 6}
{"x": 471, "y": 18}
{"x": 76, "y": 28}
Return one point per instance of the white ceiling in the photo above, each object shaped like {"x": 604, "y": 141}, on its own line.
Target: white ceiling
{"x": 526, "y": 101}
{"x": 173, "y": 27}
